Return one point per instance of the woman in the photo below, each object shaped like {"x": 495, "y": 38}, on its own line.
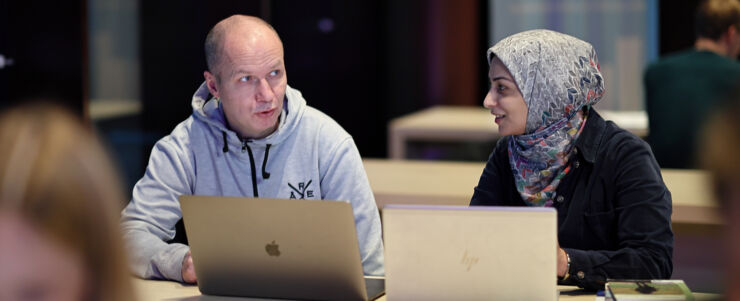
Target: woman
{"x": 59, "y": 204}
{"x": 614, "y": 212}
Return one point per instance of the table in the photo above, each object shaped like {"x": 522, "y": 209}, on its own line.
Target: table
{"x": 474, "y": 124}
{"x": 452, "y": 183}
{"x": 155, "y": 290}
{"x": 634, "y": 121}
{"x": 422, "y": 182}
{"x": 441, "y": 123}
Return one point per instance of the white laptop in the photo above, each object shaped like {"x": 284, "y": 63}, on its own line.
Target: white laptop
{"x": 470, "y": 253}
{"x": 275, "y": 248}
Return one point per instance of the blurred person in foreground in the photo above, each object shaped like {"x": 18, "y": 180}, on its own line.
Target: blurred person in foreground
{"x": 614, "y": 211}
{"x": 720, "y": 156}
{"x": 681, "y": 89}
{"x": 59, "y": 202}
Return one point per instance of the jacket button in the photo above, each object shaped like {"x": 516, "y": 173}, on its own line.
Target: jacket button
{"x": 560, "y": 199}
{"x": 577, "y": 164}
{"x": 581, "y": 275}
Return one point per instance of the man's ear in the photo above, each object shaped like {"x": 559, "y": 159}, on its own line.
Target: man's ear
{"x": 728, "y": 35}
{"x": 731, "y": 32}
{"x": 211, "y": 83}
{"x": 731, "y": 41}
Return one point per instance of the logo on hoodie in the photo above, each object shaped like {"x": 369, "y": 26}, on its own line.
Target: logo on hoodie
{"x": 302, "y": 191}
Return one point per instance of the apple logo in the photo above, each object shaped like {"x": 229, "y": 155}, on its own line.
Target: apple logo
{"x": 272, "y": 249}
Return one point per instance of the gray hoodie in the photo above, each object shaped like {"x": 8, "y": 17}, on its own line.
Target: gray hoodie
{"x": 309, "y": 156}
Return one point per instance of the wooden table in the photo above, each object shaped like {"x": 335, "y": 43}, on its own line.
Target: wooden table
{"x": 452, "y": 183}
{"x": 474, "y": 124}
{"x": 156, "y": 290}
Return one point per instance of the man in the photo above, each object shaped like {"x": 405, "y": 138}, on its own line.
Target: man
{"x": 681, "y": 89}
{"x": 255, "y": 137}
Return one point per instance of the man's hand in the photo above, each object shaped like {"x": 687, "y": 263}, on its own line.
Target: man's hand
{"x": 188, "y": 270}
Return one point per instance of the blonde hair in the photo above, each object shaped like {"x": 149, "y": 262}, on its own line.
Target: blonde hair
{"x": 56, "y": 175}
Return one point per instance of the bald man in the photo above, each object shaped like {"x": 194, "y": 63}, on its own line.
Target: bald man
{"x": 250, "y": 135}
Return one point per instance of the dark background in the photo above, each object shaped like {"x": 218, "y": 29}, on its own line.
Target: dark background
{"x": 46, "y": 41}
{"x": 676, "y": 25}
{"x": 372, "y": 66}
{"x": 380, "y": 60}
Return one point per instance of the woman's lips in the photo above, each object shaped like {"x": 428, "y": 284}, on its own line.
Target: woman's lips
{"x": 499, "y": 117}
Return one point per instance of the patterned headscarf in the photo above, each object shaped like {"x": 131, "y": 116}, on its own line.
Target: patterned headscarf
{"x": 559, "y": 78}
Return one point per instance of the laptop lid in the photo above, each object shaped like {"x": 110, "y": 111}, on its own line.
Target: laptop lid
{"x": 470, "y": 253}
{"x": 274, "y": 248}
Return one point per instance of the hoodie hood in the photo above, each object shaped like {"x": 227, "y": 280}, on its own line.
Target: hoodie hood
{"x": 208, "y": 109}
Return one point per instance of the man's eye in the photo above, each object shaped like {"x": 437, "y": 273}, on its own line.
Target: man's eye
{"x": 245, "y": 78}
{"x": 274, "y": 73}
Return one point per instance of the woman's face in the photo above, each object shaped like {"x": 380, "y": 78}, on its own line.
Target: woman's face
{"x": 505, "y": 100}
{"x": 35, "y": 267}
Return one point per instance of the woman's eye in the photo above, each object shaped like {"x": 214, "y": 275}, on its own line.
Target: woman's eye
{"x": 500, "y": 88}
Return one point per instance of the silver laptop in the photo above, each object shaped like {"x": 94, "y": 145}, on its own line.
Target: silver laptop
{"x": 470, "y": 253}
{"x": 275, "y": 248}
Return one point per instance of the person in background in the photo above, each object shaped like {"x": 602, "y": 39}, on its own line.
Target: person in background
{"x": 614, "y": 211}
{"x": 250, "y": 135}
{"x": 59, "y": 202}
{"x": 681, "y": 89}
{"x": 720, "y": 146}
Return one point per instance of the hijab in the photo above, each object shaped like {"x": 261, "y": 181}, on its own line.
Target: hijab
{"x": 559, "y": 78}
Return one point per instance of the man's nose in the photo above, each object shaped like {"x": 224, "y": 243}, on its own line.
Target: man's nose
{"x": 264, "y": 91}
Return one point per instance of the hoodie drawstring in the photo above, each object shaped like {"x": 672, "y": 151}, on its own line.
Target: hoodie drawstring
{"x": 265, "y": 174}
{"x": 245, "y": 145}
{"x": 254, "y": 172}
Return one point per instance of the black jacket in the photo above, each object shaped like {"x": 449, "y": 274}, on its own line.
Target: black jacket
{"x": 614, "y": 211}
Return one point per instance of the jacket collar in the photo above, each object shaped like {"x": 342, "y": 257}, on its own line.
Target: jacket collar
{"x": 591, "y": 137}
